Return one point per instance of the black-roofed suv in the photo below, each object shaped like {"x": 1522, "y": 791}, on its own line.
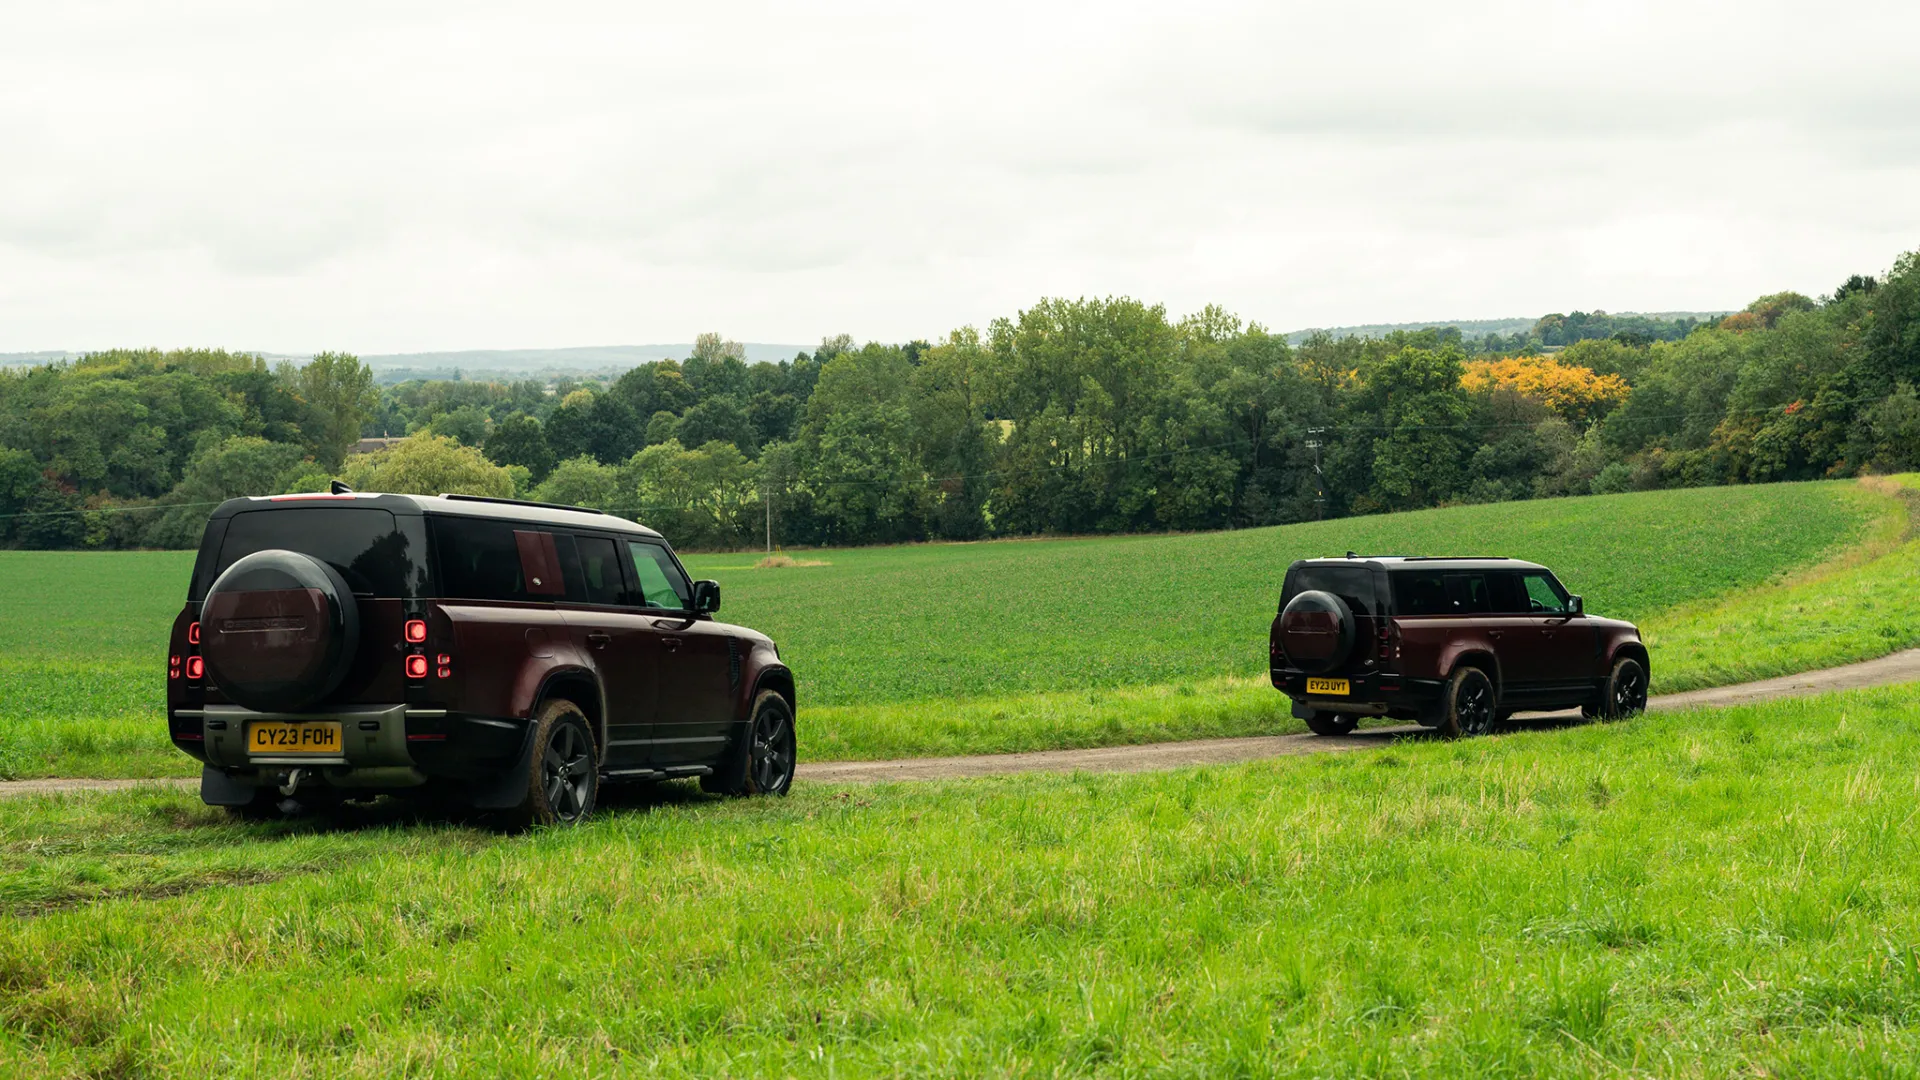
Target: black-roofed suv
{"x": 1456, "y": 644}
{"x": 502, "y": 655}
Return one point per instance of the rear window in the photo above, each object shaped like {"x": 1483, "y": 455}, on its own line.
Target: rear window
{"x": 362, "y": 543}
{"x": 1354, "y": 584}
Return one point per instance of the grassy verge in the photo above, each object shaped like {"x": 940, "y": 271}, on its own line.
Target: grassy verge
{"x": 1856, "y": 607}
{"x": 1706, "y": 893}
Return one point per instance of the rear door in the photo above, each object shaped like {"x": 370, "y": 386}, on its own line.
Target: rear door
{"x": 603, "y": 619}
{"x": 695, "y": 708}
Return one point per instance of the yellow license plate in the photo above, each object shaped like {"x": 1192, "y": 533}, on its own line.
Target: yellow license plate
{"x": 1328, "y": 686}
{"x": 318, "y": 737}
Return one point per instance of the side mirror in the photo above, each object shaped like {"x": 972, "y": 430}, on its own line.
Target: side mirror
{"x": 706, "y": 597}
{"x": 1574, "y": 605}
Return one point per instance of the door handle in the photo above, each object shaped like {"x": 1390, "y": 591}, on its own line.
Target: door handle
{"x": 1495, "y": 634}
{"x": 672, "y": 644}
{"x": 1548, "y": 634}
{"x": 599, "y": 640}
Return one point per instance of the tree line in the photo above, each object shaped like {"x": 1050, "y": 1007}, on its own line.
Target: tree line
{"x": 1072, "y": 416}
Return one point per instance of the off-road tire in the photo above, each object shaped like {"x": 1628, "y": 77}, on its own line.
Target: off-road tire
{"x": 1626, "y": 692}
{"x": 563, "y": 771}
{"x": 1469, "y": 705}
{"x": 761, "y": 761}
{"x": 1332, "y": 723}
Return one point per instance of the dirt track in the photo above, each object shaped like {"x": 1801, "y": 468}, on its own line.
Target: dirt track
{"x": 1900, "y": 667}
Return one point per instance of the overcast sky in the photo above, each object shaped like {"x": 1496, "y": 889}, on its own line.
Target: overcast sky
{"x": 388, "y": 177}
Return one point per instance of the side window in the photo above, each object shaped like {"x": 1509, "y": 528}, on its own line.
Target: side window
{"x": 493, "y": 560}
{"x": 597, "y": 579}
{"x": 1508, "y": 597}
{"x": 1544, "y": 595}
{"x": 1468, "y": 594}
{"x": 479, "y": 560}
{"x": 1419, "y": 594}
{"x": 662, "y": 585}
{"x": 539, "y": 563}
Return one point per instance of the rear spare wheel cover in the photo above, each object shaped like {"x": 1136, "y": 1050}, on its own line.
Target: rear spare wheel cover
{"x": 1316, "y": 630}
{"x": 279, "y": 631}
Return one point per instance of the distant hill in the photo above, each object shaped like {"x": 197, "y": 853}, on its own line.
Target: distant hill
{"x": 1476, "y": 328}
{"x": 488, "y": 364}
{"x": 31, "y": 359}
{"x": 582, "y": 358}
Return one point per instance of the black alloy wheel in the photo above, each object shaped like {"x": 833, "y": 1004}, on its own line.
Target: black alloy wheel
{"x": 760, "y": 760}
{"x": 1470, "y": 705}
{"x": 566, "y": 772}
{"x": 563, "y": 780}
{"x": 770, "y": 758}
{"x": 1626, "y": 689}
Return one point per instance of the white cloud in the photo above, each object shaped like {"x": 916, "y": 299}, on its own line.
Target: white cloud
{"x": 353, "y": 176}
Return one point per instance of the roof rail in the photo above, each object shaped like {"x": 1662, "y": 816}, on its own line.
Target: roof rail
{"x": 523, "y": 502}
{"x": 1451, "y": 558}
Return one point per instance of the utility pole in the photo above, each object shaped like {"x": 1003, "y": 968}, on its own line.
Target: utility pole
{"x": 1314, "y": 444}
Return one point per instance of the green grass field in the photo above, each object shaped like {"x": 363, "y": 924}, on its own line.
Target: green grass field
{"x": 967, "y": 648}
{"x": 1709, "y": 893}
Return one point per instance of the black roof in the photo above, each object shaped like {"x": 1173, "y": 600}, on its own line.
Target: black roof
{"x": 1426, "y": 562}
{"x": 533, "y": 513}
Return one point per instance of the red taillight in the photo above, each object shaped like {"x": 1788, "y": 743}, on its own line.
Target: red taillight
{"x": 193, "y": 633}
{"x": 416, "y": 631}
{"x": 416, "y": 666}
{"x": 1386, "y": 640}
{"x": 445, "y": 672}
{"x": 173, "y": 667}
{"x": 196, "y": 667}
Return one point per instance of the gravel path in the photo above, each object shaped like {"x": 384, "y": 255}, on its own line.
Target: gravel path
{"x": 1901, "y": 667}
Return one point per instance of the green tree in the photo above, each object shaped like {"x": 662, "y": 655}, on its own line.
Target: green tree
{"x": 238, "y": 466}
{"x": 1413, "y": 395}
{"x": 601, "y": 425}
{"x": 705, "y": 497}
{"x": 19, "y": 479}
{"x": 861, "y": 478}
{"x": 582, "y": 481}
{"x": 1090, "y": 388}
{"x": 466, "y": 425}
{"x": 520, "y": 440}
{"x": 340, "y": 388}
{"x": 430, "y": 465}
{"x": 953, "y": 439}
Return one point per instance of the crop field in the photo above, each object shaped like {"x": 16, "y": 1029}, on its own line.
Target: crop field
{"x": 964, "y": 648}
{"x": 1707, "y": 893}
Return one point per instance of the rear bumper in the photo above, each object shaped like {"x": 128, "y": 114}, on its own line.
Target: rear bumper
{"x": 381, "y": 746}
{"x": 1373, "y": 693}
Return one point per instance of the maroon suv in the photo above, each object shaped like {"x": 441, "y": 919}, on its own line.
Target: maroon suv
{"x": 504, "y": 655}
{"x": 1457, "y": 644}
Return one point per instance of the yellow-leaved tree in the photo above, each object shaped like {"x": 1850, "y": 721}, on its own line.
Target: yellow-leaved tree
{"x": 1574, "y": 392}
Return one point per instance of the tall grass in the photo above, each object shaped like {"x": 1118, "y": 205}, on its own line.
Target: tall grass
{"x": 1709, "y": 893}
